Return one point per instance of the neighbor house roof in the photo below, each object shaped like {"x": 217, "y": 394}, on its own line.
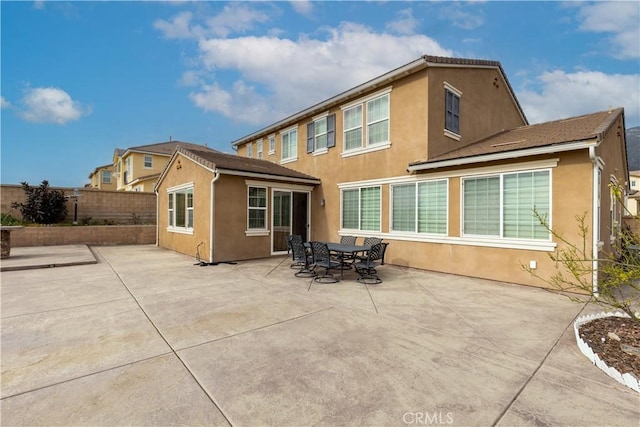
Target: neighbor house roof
{"x": 232, "y": 164}
{"x": 558, "y": 135}
{"x": 423, "y": 62}
{"x": 99, "y": 168}
{"x": 160, "y": 148}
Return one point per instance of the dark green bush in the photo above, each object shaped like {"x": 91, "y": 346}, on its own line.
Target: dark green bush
{"x": 43, "y": 205}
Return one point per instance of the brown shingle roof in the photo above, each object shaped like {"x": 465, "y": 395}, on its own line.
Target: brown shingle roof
{"x": 164, "y": 148}
{"x": 558, "y": 132}
{"x": 231, "y": 162}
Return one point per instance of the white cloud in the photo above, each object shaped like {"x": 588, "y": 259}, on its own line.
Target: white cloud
{"x": 404, "y": 23}
{"x": 462, "y": 18}
{"x": 4, "y": 103}
{"x": 235, "y": 18}
{"x": 562, "y": 94}
{"x": 621, "y": 19}
{"x": 50, "y": 105}
{"x": 287, "y": 75}
{"x": 179, "y": 27}
{"x": 303, "y": 7}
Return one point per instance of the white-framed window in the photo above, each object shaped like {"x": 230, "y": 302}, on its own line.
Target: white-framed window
{"x": 250, "y": 150}
{"x": 361, "y": 208}
{"x": 420, "y": 207}
{"x": 366, "y": 124}
{"x": 148, "y": 162}
{"x": 180, "y": 208}
{"x": 256, "y": 208}
{"x": 321, "y": 134}
{"x": 352, "y": 123}
{"x": 259, "y": 149}
{"x": 106, "y": 177}
{"x": 502, "y": 205}
{"x": 452, "y": 111}
{"x": 289, "y": 141}
{"x": 272, "y": 144}
{"x": 127, "y": 171}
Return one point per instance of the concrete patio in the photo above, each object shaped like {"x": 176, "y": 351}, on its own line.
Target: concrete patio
{"x": 145, "y": 337}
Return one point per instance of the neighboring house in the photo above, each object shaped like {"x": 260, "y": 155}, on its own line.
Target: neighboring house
{"x": 138, "y": 168}
{"x": 102, "y": 178}
{"x": 436, "y": 157}
{"x": 633, "y": 199}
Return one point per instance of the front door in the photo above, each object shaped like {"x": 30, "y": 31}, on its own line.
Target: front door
{"x": 290, "y": 215}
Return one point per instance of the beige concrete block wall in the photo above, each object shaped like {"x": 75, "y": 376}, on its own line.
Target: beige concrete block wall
{"x": 99, "y": 235}
{"x": 101, "y": 206}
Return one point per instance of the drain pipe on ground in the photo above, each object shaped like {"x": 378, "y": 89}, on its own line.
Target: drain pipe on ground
{"x": 211, "y": 227}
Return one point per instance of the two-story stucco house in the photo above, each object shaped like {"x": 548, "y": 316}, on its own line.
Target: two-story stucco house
{"x": 102, "y": 178}
{"x": 633, "y": 199}
{"x": 436, "y": 157}
{"x": 138, "y": 168}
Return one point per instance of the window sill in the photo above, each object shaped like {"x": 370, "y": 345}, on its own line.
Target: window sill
{"x": 290, "y": 160}
{"x": 452, "y": 135}
{"x": 369, "y": 149}
{"x": 253, "y": 233}
{"x": 320, "y": 151}
{"x": 180, "y": 230}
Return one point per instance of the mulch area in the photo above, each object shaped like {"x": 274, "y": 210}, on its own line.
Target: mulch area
{"x": 597, "y": 335}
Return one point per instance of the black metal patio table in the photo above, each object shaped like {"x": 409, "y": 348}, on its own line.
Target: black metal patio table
{"x": 341, "y": 249}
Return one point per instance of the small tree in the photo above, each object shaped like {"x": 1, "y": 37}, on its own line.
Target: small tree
{"x": 43, "y": 205}
{"x": 618, "y": 271}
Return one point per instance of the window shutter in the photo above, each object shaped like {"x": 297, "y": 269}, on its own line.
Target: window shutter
{"x": 331, "y": 131}
{"x": 310, "y": 137}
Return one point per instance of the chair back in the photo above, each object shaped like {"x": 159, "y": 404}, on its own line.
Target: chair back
{"x": 348, "y": 240}
{"x": 299, "y": 252}
{"x": 370, "y": 241}
{"x": 376, "y": 252}
{"x": 320, "y": 252}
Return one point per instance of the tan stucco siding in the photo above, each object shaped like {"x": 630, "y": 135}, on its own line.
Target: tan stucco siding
{"x": 486, "y": 106}
{"x": 189, "y": 172}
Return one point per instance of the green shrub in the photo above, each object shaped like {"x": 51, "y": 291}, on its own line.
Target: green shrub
{"x": 8, "y": 219}
{"x": 43, "y": 205}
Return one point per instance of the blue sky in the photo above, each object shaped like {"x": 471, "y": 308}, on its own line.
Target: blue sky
{"x": 80, "y": 79}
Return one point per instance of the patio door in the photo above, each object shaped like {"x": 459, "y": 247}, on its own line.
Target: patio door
{"x": 289, "y": 215}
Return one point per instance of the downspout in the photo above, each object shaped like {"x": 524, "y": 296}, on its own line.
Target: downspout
{"x": 211, "y": 223}
{"x": 595, "y": 226}
{"x": 157, "y": 225}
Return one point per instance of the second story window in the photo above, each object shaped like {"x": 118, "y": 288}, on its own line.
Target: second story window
{"x": 272, "y": 144}
{"x": 452, "y": 111}
{"x": 289, "y": 140}
{"x": 249, "y": 150}
{"x": 127, "y": 171}
{"x": 259, "y": 148}
{"x": 321, "y": 134}
{"x": 106, "y": 177}
{"x": 148, "y": 162}
{"x": 366, "y": 124}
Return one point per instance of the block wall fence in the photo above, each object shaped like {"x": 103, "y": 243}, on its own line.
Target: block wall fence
{"x": 114, "y": 207}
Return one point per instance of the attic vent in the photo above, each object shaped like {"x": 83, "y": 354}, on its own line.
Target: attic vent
{"x": 508, "y": 143}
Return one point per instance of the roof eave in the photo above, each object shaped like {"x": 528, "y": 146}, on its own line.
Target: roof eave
{"x": 506, "y": 155}
{"x": 269, "y": 176}
{"x": 371, "y": 84}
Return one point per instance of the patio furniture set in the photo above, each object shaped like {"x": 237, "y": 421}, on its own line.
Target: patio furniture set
{"x": 317, "y": 259}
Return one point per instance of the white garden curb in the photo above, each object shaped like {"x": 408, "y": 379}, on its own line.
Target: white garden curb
{"x": 627, "y": 379}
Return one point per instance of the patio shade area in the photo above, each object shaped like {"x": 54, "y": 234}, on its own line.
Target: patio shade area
{"x": 145, "y": 337}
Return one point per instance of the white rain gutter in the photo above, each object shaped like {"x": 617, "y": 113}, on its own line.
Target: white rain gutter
{"x": 595, "y": 226}
{"x": 215, "y": 178}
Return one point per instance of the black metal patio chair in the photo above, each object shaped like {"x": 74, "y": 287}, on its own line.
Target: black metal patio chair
{"x": 290, "y": 239}
{"x": 322, "y": 258}
{"x": 346, "y": 259}
{"x": 366, "y": 268}
{"x": 368, "y": 242}
{"x": 302, "y": 259}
